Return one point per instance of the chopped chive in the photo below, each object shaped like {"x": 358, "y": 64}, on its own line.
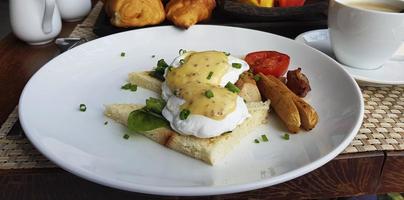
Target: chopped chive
{"x": 83, "y": 107}
{"x": 226, "y": 53}
{"x": 209, "y": 94}
{"x": 123, "y": 54}
{"x": 264, "y": 138}
{"x": 133, "y": 88}
{"x": 286, "y": 136}
{"x": 256, "y": 141}
{"x": 257, "y": 77}
{"x": 182, "y": 51}
{"x": 126, "y": 136}
{"x": 184, "y": 114}
{"x": 244, "y": 101}
{"x": 232, "y": 88}
{"x": 126, "y": 86}
{"x": 236, "y": 65}
{"x": 182, "y": 61}
{"x": 209, "y": 75}
{"x": 129, "y": 86}
{"x": 176, "y": 93}
{"x": 170, "y": 68}
{"x": 153, "y": 56}
{"x": 106, "y": 122}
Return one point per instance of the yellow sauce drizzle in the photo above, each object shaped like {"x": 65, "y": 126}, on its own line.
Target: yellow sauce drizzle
{"x": 189, "y": 82}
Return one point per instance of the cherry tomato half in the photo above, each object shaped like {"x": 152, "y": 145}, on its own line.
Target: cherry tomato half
{"x": 290, "y": 3}
{"x": 268, "y": 62}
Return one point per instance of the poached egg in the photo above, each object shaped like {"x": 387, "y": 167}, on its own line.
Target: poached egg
{"x": 189, "y": 78}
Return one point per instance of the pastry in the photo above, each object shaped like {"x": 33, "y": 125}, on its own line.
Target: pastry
{"x": 135, "y": 13}
{"x": 185, "y": 13}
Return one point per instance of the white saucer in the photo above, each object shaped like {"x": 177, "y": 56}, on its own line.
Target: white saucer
{"x": 391, "y": 73}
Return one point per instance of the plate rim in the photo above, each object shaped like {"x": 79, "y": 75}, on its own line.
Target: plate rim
{"x": 198, "y": 190}
{"x": 301, "y": 40}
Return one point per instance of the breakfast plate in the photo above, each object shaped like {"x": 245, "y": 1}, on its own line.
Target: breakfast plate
{"x": 91, "y": 146}
{"x": 391, "y": 73}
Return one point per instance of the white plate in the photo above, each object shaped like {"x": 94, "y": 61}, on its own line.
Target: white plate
{"x": 391, "y": 73}
{"x": 93, "y": 73}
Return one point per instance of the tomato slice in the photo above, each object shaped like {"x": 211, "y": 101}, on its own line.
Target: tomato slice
{"x": 268, "y": 62}
{"x": 291, "y": 3}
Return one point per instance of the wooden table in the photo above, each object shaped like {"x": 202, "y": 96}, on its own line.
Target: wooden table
{"x": 346, "y": 175}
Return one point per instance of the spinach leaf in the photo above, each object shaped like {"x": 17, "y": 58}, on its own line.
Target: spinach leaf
{"x": 155, "y": 105}
{"x": 144, "y": 120}
{"x": 158, "y": 72}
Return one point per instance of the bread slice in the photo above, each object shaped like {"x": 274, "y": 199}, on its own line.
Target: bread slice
{"x": 209, "y": 150}
{"x": 144, "y": 80}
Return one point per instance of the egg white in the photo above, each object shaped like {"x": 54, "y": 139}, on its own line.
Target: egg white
{"x": 199, "y": 125}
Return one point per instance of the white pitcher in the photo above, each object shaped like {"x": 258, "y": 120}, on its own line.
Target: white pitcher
{"x": 73, "y": 10}
{"x": 35, "y": 21}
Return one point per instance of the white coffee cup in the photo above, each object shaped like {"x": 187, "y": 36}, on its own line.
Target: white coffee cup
{"x": 365, "y": 38}
{"x": 74, "y": 10}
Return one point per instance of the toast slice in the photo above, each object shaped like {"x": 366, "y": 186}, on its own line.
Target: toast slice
{"x": 209, "y": 150}
{"x": 144, "y": 80}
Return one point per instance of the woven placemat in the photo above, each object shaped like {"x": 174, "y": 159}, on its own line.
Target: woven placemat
{"x": 382, "y": 128}
{"x": 16, "y": 152}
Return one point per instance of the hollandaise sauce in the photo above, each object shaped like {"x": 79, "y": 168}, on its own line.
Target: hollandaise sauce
{"x": 200, "y": 74}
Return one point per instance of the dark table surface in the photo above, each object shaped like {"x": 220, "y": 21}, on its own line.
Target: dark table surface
{"x": 346, "y": 175}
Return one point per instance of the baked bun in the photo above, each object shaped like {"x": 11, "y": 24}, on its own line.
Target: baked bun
{"x": 135, "y": 13}
{"x": 185, "y": 13}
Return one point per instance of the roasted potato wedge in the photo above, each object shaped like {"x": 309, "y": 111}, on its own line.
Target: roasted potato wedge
{"x": 308, "y": 115}
{"x": 281, "y": 101}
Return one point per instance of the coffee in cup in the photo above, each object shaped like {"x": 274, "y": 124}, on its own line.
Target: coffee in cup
{"x": 365, "y": 33}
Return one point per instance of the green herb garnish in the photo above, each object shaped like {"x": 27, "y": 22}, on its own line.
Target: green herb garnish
{"x": 184, "y": 114}
{"x": 158, "y": 72}
{"x": 182, "y": 61}
{"x": 236, "y": 65}
{"x": 232, "y": 88}
{"x": 226, "y": 53}
{"x": 106, "y": 122}
{"x": 83, "y": 107}
{"x": 126, "y": 136}
{"x": 286, "y": 136}
{"x": 209, "y": 94}
{"x": 176, "y": 93}
{"x": 153, "y": 56}
{"x": 264, "y": 138}
{"x": 155, "y": 105}
{"x": 129, "y": 86}
{"x": 170, "y": 68}
{"x": 123, "y": 54}
{"x": 257, "y": 77}
{"x": 182, "y": 51}
{"x": 256, "y": 141}
{"x": 209, "y": 75}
